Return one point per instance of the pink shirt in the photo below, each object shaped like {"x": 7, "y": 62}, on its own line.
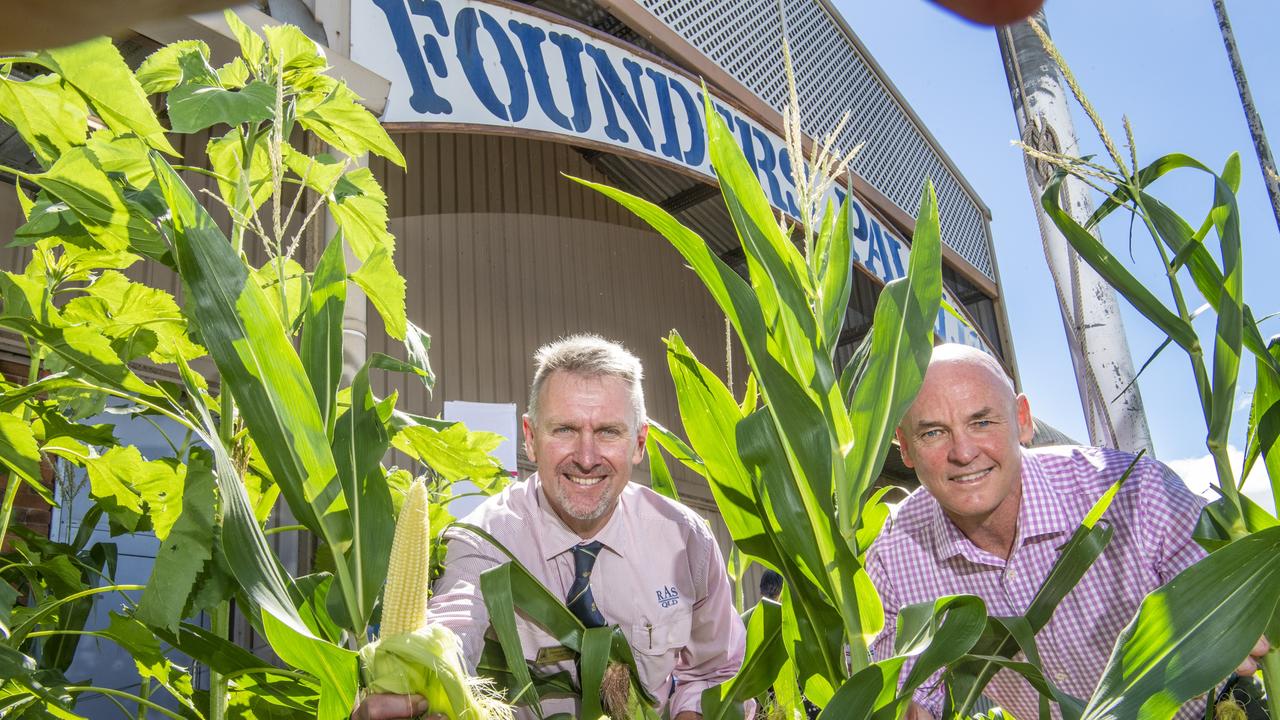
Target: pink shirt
{"x": 660, "y": 577}
{"x": 923, "y": 556}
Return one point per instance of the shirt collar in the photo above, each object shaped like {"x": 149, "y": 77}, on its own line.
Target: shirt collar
{"x": 1043, "y": 512}
{"x": 559, "y": 539}
{"x": 1040, "y": 513}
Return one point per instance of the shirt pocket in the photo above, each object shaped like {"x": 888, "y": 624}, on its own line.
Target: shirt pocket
{"x": 656, "y": 644}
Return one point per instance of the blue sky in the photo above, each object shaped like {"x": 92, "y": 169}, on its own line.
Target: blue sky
{"x": 1163, "y": 64}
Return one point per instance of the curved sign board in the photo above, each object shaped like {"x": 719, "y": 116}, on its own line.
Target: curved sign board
{"x": 460, "y": 62}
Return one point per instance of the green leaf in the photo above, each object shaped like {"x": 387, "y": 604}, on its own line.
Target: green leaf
{"x": 335, "y": 667}
{"x": 122, "y": 481}
{"x": 186, "y": 550}
{"x": 258, "y": 365}
{"x": 50, "y": 117}
{"x": 20, "y": 454}
{"x": 1264, "y": 423}
{"x": 129, "y": 311}
{"x": 710, "y": 416}
{"x": 385, "y": 288}
{"x": 1192, "y": 632}
{"x": 1111, "y": 270}
{"x": 97, "y": 70}
{"x": 901, "y": 343}
{"x": 126, "y": 155}
{"x": 765, "y": 656}
{"x": 835, "y": 278}
{"x": 359, "y": 207}
{"x": 226, "y": 156}
{"x": 659, "y": 475}
{"x": 454, "y": 452}
{"x": 338, "y": 119}
{"x": 194, "y": 107}
{"x": 251, "y": 44}
{"x": 321, "y": 348}
{"x": 85, "y": 349}
{"x": 114, "y": 223}
{"x": 161, "y": 71}
{"x": 290, "y": 48}
{"x": 360, "y": 440}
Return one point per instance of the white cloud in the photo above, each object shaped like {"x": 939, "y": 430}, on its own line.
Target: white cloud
{"x": 1198, "y": 473}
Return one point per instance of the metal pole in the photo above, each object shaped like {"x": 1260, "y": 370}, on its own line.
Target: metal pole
{"x": 1090, "y": 312}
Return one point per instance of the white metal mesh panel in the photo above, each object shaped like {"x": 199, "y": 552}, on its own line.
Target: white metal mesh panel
{"x": 744, "y": 38}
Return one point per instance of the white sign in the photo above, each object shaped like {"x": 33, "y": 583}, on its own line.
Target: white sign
{"x": 474, "y": 63}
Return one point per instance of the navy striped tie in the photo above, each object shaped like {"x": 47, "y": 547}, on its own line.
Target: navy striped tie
{"x": 579, "y": 600}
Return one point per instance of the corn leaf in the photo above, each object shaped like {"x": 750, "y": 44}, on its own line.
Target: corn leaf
{"x": 1264, "y": 424}
{"x": 259, "y": 366}
{"x": 659, "y": 474}
{"x": 1192, "y": 632}
{"x": 765, "y": 656}
{"x": 901, "y": 343}
{"x": 321, "y": 348}
{"x": 360, "y": 440}
{"x": 1111, "y": 270}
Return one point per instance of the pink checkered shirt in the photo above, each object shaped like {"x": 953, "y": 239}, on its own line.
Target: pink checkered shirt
{"x": 923, "y": 556}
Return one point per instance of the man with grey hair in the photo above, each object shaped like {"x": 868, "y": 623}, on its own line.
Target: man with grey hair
{"x": 617, "y": 552}
{"x": 990, "y": 516}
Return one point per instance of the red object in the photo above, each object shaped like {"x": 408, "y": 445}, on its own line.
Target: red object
{"x": 992, "y": 12}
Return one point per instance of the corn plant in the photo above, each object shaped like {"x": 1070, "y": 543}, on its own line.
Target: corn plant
{"x": 253, "y": 357}
{"x": 1189, "y": 634}
{"x": 792, "y": 462}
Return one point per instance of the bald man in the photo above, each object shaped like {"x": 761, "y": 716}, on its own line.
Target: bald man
{"x": 990, "y": 516}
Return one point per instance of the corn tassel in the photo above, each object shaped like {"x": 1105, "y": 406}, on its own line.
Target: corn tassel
{"x": 412, "y": 656}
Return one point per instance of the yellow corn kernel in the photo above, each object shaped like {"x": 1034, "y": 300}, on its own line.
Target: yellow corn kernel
{"x": 404, "y": 600}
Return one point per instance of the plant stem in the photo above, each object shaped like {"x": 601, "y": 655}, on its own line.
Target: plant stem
{"x": 144, "y": 693}
{"x": 219, "y": 624}
{"x": 1270, "y": 664}
{"x": 122, "y": 694}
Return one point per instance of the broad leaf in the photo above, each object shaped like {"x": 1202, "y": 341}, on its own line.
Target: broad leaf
{"x": 97, "y": 70}
{"x": 321, "y": 348}
{"x": 185, "y": 552}
{"x": 338, "y": 119}
{"x": 194, "y": 107}
{"x": 385, "y": 288}
{"x": 50, "y": 117}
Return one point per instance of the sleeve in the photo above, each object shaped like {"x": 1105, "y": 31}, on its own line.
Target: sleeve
{"x": 457, "y": 603}
{"x": 717, "y": 641}
{"x": 929, "y": 694}
{"x": 1168, "y": 512}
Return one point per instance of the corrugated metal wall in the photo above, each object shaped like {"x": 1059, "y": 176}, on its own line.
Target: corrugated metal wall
{"x": 502, "y": 254}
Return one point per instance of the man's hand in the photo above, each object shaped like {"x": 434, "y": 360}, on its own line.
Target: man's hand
{"x": 390, "y": 707}
{"x": 1250, "y": 664}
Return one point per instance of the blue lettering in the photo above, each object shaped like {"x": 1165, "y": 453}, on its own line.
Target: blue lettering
{"x": 769, "y": 166}
{"x": 423, "y": 96}
{"x": 468, "y": 24}
{"x": 531, "y": 38}
{"x": 632, "y": 103}
{"x": 894, "y": 244}
{"x": 696, "y": 153}
{"x": 671, "y": 136}
{"x": 878, "y": 255}
{"x": 789, "y": 173}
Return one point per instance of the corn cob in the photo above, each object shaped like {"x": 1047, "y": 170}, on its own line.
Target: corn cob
{"x": 404, "y": 600}
{"x": 412, "y": 656}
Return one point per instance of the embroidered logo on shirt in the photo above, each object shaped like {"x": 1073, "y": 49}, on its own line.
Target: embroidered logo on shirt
{"x": 667, "y": 596}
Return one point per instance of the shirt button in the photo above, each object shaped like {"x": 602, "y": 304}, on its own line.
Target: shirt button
{"x": 1060, "y": 677}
